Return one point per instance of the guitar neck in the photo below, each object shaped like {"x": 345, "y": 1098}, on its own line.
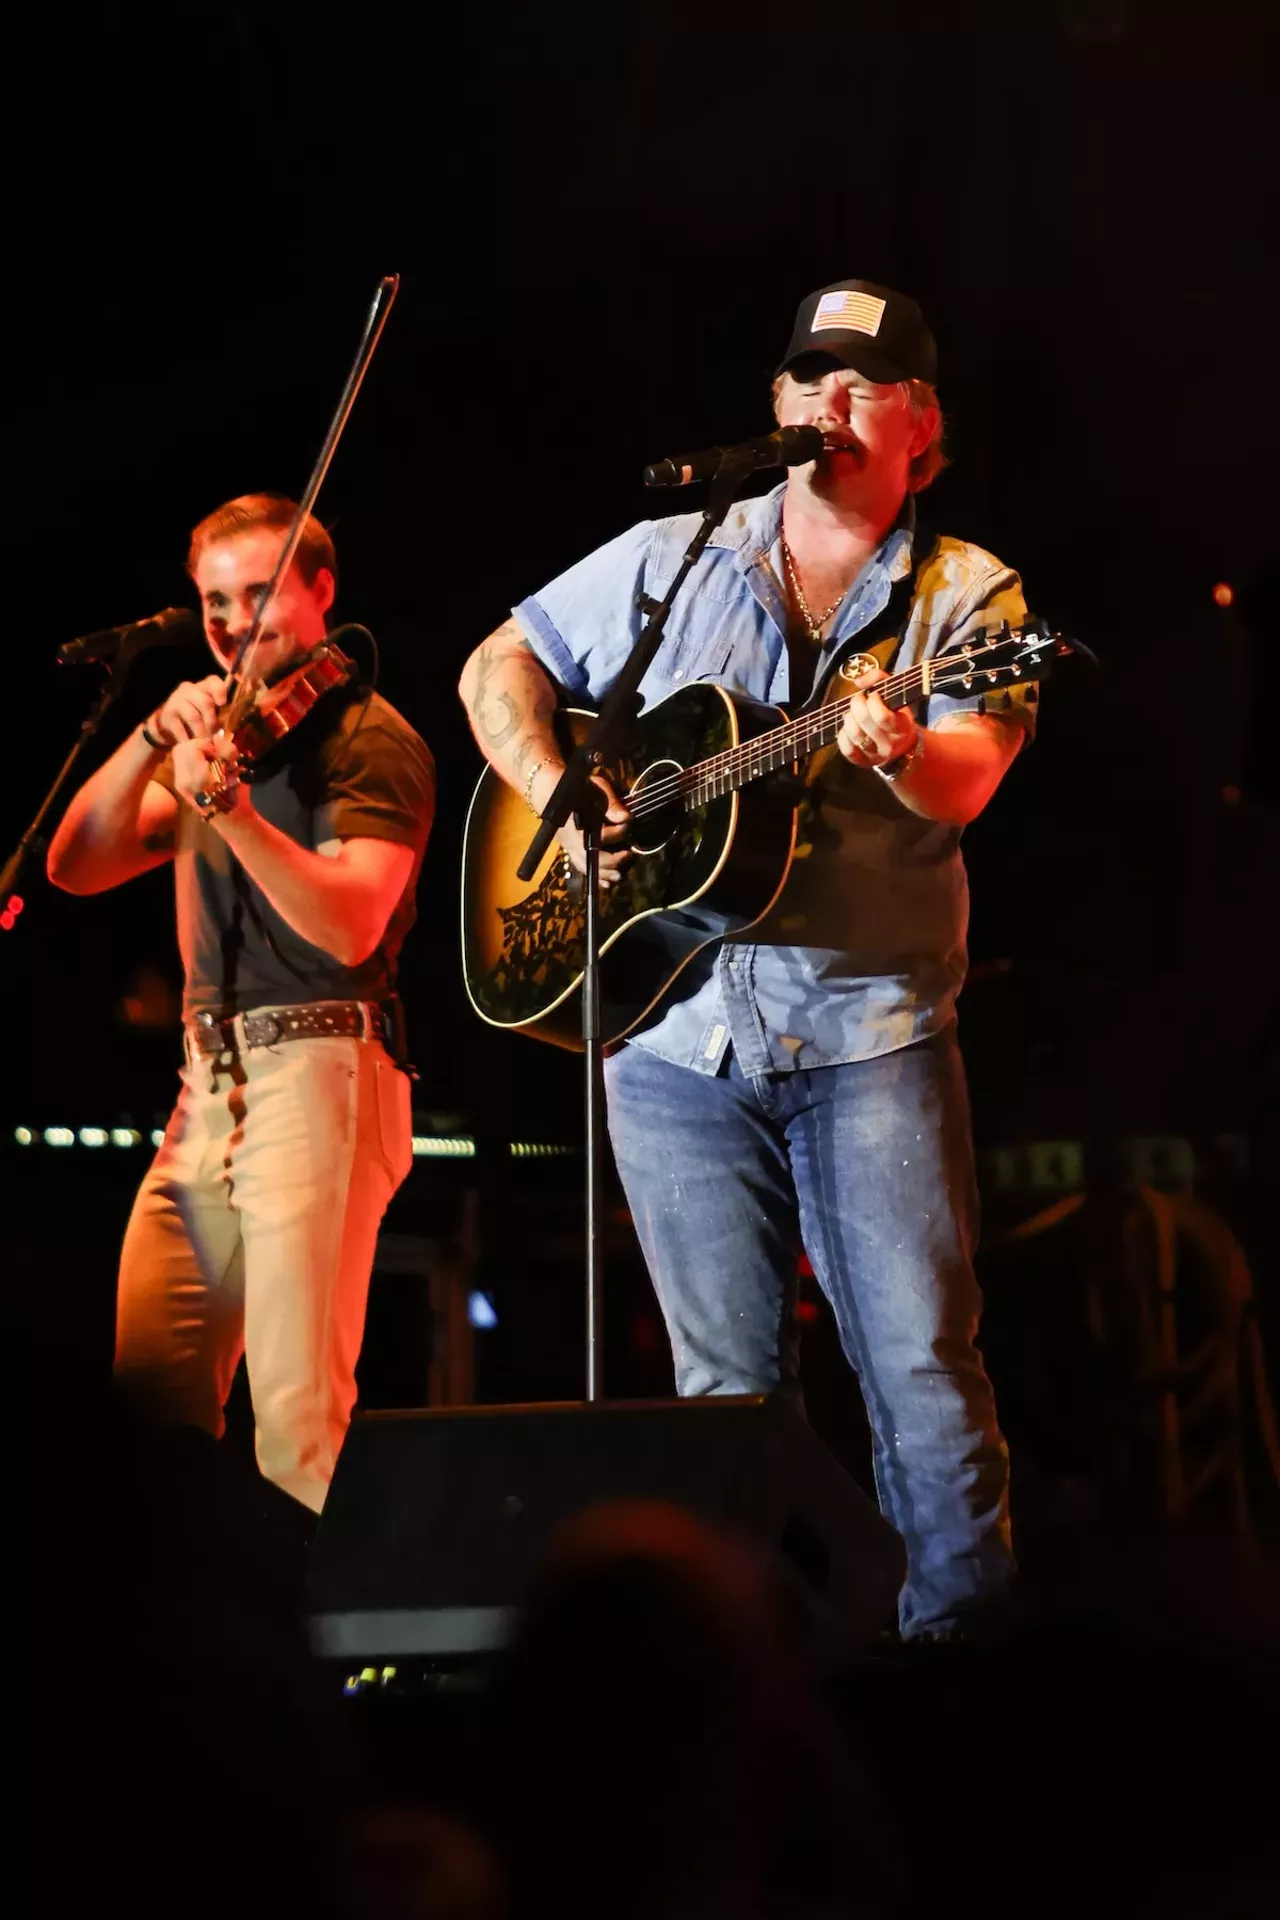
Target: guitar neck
{"x": 770, "y": 752}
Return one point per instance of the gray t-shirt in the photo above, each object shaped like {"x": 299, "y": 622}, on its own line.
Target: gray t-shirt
{"x": 349, "y": 770}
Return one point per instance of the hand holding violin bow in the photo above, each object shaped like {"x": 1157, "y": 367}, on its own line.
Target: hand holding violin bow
{"x": 207, "y": 766}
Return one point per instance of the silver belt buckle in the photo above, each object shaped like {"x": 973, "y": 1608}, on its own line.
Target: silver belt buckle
{"x": 265, "y": 1032}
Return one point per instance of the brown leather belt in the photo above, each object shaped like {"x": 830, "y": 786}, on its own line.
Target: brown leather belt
{"x": 212, "y": 1033}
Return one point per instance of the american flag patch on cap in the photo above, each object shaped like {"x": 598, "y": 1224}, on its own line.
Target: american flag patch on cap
{"x": 852, "y": 312}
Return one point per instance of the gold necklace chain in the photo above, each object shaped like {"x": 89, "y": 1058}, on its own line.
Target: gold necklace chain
{"x": 812, "y": 626}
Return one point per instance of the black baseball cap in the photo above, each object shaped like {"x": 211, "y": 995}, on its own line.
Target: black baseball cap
{"x": 872, "y": 329}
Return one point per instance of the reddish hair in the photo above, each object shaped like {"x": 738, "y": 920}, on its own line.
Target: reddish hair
{"x": 253, "y": 510}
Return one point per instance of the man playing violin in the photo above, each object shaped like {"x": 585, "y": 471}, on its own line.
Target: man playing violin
{"x": 802, "y": 1085}
{"x": 254, "y": 1229}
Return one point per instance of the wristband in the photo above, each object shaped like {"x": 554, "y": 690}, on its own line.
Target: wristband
{"x": 156, "y": 746}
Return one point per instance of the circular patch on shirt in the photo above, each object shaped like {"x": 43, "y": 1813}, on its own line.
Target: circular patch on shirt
{"x": 857, "y": 664}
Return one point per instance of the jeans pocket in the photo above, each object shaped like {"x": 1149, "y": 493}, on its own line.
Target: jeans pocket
{"x": 395, "y": 1118}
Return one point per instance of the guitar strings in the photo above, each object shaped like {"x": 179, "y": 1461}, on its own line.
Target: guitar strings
{"x": 790, "y": 742}
{"x": 802, "y": 734}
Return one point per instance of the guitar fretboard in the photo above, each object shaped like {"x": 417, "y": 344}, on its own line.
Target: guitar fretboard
{"x": 767, "y": 753}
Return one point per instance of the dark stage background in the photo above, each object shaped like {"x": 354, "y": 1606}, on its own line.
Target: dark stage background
{"x": 602, "y": 234}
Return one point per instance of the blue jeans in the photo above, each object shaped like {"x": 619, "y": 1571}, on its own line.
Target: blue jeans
{"x": 870, "y": 1166}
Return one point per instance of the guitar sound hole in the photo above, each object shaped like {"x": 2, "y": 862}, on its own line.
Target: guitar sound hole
{"x": 652, "y": 830}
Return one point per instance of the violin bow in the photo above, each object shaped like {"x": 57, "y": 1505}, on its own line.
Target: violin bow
{"x": 388, "y": 287}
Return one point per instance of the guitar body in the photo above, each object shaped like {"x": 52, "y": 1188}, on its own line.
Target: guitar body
{"x": 697, "y": 874}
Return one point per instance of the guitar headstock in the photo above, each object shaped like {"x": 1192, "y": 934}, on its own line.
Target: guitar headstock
{"x": 1000, "y": 657}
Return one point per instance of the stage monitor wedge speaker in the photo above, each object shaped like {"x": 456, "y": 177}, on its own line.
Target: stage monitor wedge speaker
{"x": 438, "y": 1520}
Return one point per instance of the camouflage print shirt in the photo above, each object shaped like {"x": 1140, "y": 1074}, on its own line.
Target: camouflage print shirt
{"x": 864, "y": 951}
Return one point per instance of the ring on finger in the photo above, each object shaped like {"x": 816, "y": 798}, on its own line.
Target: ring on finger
{"x": 866, "y": 744}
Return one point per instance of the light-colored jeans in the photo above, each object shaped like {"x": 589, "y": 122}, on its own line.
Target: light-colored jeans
{"x": 870, "y": 1165}
{"x": 254, "y": 1232}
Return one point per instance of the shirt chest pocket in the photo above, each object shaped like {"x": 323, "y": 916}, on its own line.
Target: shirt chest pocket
{"x": 697, "y": 644}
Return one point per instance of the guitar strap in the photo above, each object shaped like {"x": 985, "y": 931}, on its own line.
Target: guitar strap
{"x": 880, "y": 639}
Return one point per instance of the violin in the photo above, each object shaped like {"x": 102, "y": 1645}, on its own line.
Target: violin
{"x": 262, "y": 713}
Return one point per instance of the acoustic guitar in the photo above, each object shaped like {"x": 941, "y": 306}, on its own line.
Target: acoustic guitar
{"x": 712, "y": 833}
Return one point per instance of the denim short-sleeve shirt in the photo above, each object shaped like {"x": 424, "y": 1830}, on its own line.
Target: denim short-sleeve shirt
{"x": 864, "y": 951}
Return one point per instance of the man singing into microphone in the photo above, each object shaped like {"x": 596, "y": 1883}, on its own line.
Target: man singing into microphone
{"x": 254, "y": 1229}
{"x": 804, "y": 1085}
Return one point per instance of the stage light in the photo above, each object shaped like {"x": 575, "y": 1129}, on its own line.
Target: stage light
{"x": 1224, "y": 594}
{"x": 444, "y": 1146}
{"x": 355, "y": 1683}
{"x": 426, "y": 1146}
{"x": 481, "y": 1311}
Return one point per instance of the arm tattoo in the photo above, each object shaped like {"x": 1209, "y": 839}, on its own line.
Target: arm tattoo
{"x": 499, "y": 728}
{"x": 498, "y": 713}
{"x": 544, "y": 707}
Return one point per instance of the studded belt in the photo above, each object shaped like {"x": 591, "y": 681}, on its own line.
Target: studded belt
{"x": 210, "y": 1033}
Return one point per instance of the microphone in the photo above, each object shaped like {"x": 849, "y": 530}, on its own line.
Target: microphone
{"x": 788, "y": 447}
{"x": 168, "y": 628}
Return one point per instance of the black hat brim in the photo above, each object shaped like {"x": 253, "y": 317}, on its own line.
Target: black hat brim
{"x": 855, "y": 351}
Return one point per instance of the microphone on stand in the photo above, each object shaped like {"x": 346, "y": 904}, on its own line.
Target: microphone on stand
{"x": 787, "y": 447}
{"x": 168, "y": 628}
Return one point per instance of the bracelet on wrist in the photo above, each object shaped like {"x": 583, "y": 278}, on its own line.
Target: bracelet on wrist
{"x": 529, "y": 778}
{"x": 156, "y": 746}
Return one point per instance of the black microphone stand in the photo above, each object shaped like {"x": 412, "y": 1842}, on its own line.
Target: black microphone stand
{"x": 112, "y": 688}
{"x": 576, "y": 796}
